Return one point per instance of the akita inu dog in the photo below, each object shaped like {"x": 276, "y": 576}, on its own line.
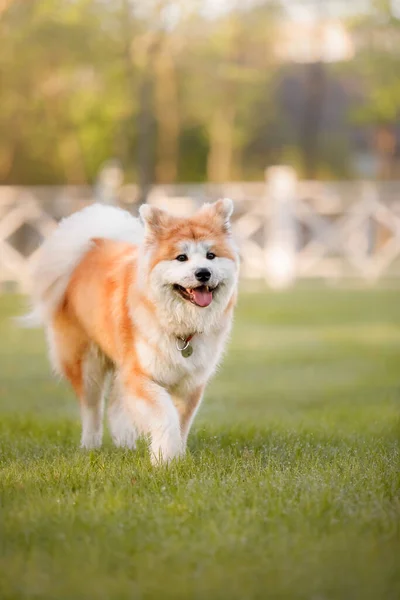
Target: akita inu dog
{"x": 146, "y": 304}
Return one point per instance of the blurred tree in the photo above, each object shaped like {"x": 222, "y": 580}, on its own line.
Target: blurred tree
{"x": 230, "y": 64}
{"x": 377, "y": 67}
{"x": 167, "y": 112}
{"x": 84, "y": 80}
{"x": 173, "y": 92}
{"x": 60, "y": 73}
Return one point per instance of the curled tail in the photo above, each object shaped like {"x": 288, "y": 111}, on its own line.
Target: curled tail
{"x": 64, "y": 249}
{"x": 30, "y": 320}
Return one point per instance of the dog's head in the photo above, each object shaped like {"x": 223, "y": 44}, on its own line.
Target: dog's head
{"x": 192, "y": 262}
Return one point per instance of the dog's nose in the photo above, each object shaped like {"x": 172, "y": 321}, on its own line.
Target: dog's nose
{"x": 202, "y": 275}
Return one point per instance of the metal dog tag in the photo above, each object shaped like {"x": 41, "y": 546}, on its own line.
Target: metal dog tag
{"x": 188, "y": 351}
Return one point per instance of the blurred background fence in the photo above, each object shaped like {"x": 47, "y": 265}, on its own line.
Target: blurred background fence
{"x": 286, "y": 229}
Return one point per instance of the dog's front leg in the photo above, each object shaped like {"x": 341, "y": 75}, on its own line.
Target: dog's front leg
{"x": 154, "y": 414}
{"x": 187, "y": 407}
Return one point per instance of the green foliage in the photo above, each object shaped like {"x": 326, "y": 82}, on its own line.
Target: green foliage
{"x": 290, "y": 490}
{"x": 61, "y": 70}
{"x": 193, "y": 156}
{"x": 377, "y": 66}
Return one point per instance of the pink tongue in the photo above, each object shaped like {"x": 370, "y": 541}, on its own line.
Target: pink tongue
{"x": 202, "y": 297}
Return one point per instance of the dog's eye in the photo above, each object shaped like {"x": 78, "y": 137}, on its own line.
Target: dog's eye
{"x": 182, "y": 257}
{"x": 210, "y": 255}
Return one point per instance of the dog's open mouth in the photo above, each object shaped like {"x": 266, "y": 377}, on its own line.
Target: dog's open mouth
{"x": 200, "y": 296}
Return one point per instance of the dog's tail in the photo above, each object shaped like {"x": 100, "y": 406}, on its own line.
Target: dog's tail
{"x": 30, "y": 320}
{"x": 64, "y": 249}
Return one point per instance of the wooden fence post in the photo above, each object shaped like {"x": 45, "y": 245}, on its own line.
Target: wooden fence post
{"x": 281, "y": 230}
{"x": 109, "y": 181}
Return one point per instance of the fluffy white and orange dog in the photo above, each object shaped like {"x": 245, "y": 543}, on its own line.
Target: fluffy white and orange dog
{"x": 146, "y": 304}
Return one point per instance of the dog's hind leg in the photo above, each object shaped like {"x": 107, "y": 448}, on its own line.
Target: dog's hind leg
{"x": 94, "y": 375}
{"x": 83, "y": 365}
{"x": 120, "y": 422}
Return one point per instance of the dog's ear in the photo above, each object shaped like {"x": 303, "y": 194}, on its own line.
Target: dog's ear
{"x": 222, "y": 210}
{"x": 154, "y": 219}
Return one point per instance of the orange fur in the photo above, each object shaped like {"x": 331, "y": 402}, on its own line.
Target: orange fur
{"x": 101, "y": 281}
{"x": 196, "y": 229}
{"x": 187, "y": 408}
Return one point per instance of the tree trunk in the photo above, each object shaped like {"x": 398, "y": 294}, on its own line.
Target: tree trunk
{"x": 139, "y": 51}
{"x": 167, "y": 114}
{"x": 7, "y": 156}
{"x": 310, "y": 129}
{"x": 68, "y": 147}
{"x": 385, "y": 144}
{"x": 72, "y": 158}
{"x": 145, "y": 136}
{"x": 219, "y": 163}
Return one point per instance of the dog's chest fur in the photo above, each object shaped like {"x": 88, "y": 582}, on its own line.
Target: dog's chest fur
{"x": 156, "y": 343}
{"x": 168, "y": 367}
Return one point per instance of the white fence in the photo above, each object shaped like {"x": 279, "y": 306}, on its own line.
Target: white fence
{"x": 286, "y": 229}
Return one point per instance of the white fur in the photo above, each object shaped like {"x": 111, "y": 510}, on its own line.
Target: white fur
{"x": 177, "y": 315}
{"x": 158, "y": 419}
{"x": 65, "y": 248}
{"x": 120, "y": 422}
{"x": 94, "y": 379}
{"x": 92, "y": 428}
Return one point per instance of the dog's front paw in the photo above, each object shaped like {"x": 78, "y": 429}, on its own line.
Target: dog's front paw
{"x": 89, "y": 441}
{"x": 163, "y": 457}
{"x": 125, "y": 438}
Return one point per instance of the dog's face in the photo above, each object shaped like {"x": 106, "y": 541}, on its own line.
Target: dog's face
{"x": 192, "y": 263}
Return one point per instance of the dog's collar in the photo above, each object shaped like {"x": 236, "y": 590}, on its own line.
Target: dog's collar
{"x": 183, "y": 343}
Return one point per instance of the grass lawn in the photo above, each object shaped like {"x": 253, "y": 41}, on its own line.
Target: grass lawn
{"x": 291, "y": 488}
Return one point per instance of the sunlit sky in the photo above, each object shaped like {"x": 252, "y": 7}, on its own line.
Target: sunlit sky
{"x": 305, "y": 11}
{"x": 299, "y": 10}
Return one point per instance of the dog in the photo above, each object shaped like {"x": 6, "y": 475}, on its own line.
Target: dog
{"x": 139, "y": 308}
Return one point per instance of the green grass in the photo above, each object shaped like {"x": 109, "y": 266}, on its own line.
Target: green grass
{"x": 291, "y": 488}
